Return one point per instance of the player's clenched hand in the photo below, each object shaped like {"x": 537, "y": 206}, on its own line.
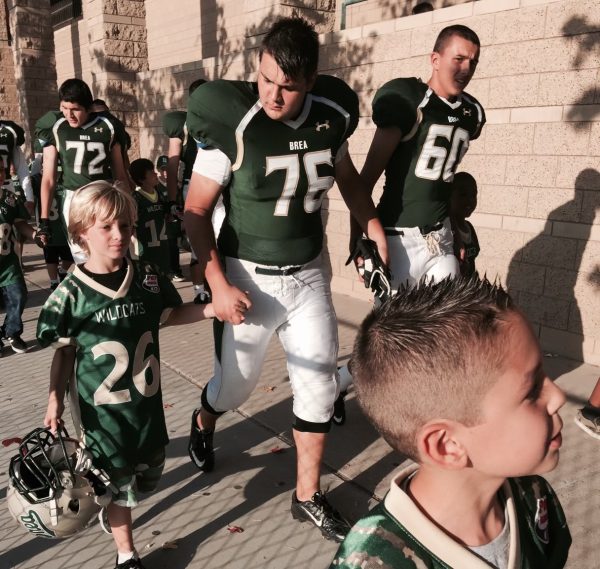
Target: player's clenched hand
{"x": 54, "y": 414}
{"x": 230, "y": 304}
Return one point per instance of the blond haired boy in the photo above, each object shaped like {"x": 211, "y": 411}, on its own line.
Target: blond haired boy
{"x": 103, "y": 320}
{"x": 452, "y": 376}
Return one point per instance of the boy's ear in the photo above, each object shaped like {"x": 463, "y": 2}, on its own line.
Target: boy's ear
{"x": 439, "y": 445}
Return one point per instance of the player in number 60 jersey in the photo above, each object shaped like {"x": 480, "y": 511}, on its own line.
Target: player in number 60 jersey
{"x": 423, "y": 131}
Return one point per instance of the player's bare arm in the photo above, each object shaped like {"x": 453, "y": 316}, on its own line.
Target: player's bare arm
{"x": 175, "y": 147}
{"x": 61, "y": 370}
{"x": 117, "y": 167}
{"x": 48, "y": 184}
{"x": 229, "y": 302}
{"x": 189, "y": 313}
{"x": 360, "y": 204}
{"x": 382, "y": 147}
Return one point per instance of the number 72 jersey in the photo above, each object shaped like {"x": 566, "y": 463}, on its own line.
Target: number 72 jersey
{"x": 435, "y": 137}
{"x": 85, "y": 151}
{"x": 280, "y": 170}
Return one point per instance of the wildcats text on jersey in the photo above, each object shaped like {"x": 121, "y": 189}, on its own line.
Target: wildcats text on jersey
{"x": 120, "y": 311}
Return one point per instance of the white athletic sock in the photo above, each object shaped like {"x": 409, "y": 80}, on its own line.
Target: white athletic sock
{"x": 122, "y": 557}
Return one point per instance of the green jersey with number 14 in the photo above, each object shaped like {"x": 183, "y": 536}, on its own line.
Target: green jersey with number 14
{"x": 280, "y": 170}
{"x": 150, "y": 243}
{"x": 85, "y": 151}
{"x": 435, "y": 137}
{"x": 117, "y": 396}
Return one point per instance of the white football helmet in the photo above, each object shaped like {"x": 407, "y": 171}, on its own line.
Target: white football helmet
{"x": 54, "y": 491}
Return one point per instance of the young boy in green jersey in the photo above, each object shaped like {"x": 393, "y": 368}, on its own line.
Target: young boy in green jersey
{"x": 452, "y": 377}
{"x": 13, "y": 219}
{"x": 103, "y": 320}
{"x": 463, "y": 202}
{"x": 150, "y": 242}
{"x": 173, "y": 221}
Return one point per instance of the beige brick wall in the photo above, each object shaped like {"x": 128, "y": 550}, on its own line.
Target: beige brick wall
{"x": 538, "y": 159}
{"x": 9, "y": 105}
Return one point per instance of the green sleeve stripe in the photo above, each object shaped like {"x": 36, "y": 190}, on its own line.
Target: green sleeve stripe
{"x": 239, "y": 134}
{"x": 55, "y": 132}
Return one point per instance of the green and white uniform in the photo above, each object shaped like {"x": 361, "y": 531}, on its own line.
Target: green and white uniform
{"x": 12, "y": 137}
{"x": 84, "y": 152}
{"x": 276, "y": 174}
{"x": 397, "y": 535}
{"x": 116, "y": 397}
{"x": 175, "y": 126}
{"x": 415, "y": 203}
{"x": 11, "y": 211}
{"x": 150, "y": 242}
{"x": 471, "y": 245}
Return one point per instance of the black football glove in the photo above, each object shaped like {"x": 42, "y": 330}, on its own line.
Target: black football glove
{"x": 43, "y": 234}
{"x": 374, "y": 273}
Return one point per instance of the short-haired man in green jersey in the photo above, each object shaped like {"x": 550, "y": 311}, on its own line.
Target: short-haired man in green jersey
{"x": 273, "y": 149}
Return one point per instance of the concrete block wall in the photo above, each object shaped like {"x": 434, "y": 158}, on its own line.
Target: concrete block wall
{"x": 538, "y": 159}
{"x": 9, "y": 103}
{"x": 537, "y": 162}
{"x": 376, "y": 11}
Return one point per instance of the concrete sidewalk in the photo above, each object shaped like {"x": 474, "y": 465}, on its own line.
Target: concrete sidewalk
{"x": 185, "y": 523}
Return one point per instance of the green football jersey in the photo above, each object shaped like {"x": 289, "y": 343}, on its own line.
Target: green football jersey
{"x": 281, "y": 170}
{"x": 11, "y": 136}
{"x": 397, "y": 534}
{"x": 174, "y": 126}
{"x": 116, "y": 396}
{"x": 85, "y": 152}
{"x": 435, "y": 137}
{"x": 150, "y": 243}
{"x": 11, "y": 210}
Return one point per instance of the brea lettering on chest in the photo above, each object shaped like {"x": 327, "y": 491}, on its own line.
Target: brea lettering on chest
{"x": 298, "y": 145}
{"x": 84, "y": 137}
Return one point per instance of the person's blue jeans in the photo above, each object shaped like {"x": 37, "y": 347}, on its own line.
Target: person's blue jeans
{"x": 15, "y": 297}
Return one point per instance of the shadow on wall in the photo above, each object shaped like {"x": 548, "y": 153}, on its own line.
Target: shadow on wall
{"x": 543, "y": 275}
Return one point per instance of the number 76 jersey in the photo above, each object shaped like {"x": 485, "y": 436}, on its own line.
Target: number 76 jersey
{"x": 435, "y": 136}
{"x": 116, "y": 398}
{"x": 280, "y": 170}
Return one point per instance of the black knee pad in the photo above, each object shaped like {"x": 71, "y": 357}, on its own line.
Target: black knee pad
{"x": 303, "y": 426}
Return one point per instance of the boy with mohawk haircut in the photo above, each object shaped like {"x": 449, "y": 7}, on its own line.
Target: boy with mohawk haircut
{"x": 451, "y": 376}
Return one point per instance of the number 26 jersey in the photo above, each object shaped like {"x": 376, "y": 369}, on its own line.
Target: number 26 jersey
{"x": 116, "y": 397}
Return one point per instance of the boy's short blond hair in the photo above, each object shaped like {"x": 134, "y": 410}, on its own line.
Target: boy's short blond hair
{"x": 98, "y": 200}
{"x": 430, "y": 352}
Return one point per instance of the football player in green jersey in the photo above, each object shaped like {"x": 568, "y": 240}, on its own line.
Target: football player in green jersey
{"x": 89, "y": 144}
{"x": 150, "y": 243}
{"x": 423, "y": 131}
{"x": 183, "y": 147}
{"x": 103, "y": 320}
{"x": 451, "y": 375}
{"x": 173, "y": 221}
{"x": 273, "y": 149}
{"x": 12, "y": 137}
{"x": 13, "y": 219}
